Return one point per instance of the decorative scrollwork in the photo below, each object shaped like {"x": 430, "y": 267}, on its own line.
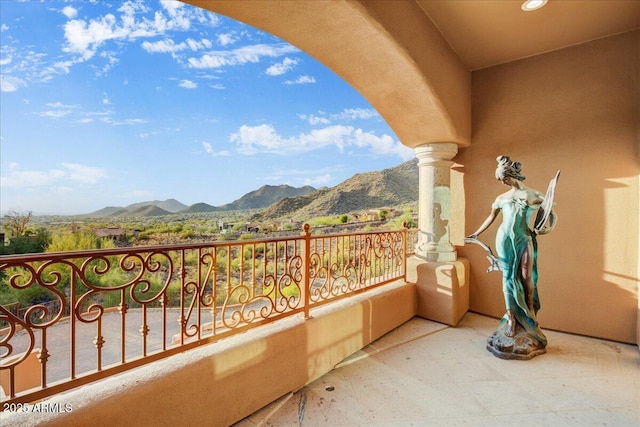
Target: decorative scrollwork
{"x": 142, "y": 290}
{"x": 223, "y": 287}
{"x": 11, "y": 324}
{"x": 339, "y": 268}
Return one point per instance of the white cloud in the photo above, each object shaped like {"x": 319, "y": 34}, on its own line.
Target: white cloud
{"x": 127, "y": 122}
{"x": 174, "y": 8}
{"x": 11, "y": 83}
{"x": 357, "y": 114}
{"x": 58, "y": 110}
{"x": 260, "y": 139}
{"x": 209, "y": 149}
{"x": 225, "y": 39}
{"x": 242, "y": 55}
{"x": 163, "y": 46}
{"x": 85, "y": 37}
{"x": 55, "y": 114}
{"x": 252, "y": 140}
{"x": 83, "y": 173}
{"x": 69, "y": 12}
{"x": 170, "y": 46}
{"x": 97, "y": 113}
{"x": 348, "y": 114}
{"x": 282, "y": 67}
{"x": 111, "y": 60}
{"x": 301, "y": 80}
{"x": 60, "y": 67}
{"x": 18, "y": 178}
{"x": 382, "y": 145}
{"x": 60, "y": 105}
{"x": 188, "y": 84}
{"x": 199, "y": 45}
{"x": 318, "y": 181}
{"x": 315, "y": 177}
{"x": 4, "y": 27}
{"x": 314, "y": 120}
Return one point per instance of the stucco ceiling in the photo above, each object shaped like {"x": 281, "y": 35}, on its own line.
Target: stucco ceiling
{"x": 485, "y": 33}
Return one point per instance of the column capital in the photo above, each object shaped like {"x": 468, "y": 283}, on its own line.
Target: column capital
{"x": 437, "y": 151}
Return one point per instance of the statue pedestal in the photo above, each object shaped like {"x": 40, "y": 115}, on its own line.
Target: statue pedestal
{"x": 521, "y": 346}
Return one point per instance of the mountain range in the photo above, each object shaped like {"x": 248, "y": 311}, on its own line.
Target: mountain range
{"x": 389, "y": 187}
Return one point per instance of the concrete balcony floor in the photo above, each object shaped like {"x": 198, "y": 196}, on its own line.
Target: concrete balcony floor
{"x": 425, "y": 373}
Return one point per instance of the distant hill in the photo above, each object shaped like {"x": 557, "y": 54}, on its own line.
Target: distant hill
{"x": 109, "y": 210}
{"x": 169, "y": 205}
{"x": 147, "y": 210}
{"x": 120, "y": 212}
{"x": 151, "y": 208}
{"x": 200, "y": 208}
{"x": 266, "y": 196}
{"x": 371, "y": 190}
{"x": 258, "y": 199}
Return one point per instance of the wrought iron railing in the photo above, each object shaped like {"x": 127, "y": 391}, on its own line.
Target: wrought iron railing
{"x": 102, "y": 312}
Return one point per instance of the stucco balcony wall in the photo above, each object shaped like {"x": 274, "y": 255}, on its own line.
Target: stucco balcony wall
{"x": 221, "y": 383}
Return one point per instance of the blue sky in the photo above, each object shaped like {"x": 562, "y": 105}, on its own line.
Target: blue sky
{"x": 112, "y": 103}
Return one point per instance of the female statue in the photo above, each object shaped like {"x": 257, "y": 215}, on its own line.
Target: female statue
{"x": 516, "y": 248}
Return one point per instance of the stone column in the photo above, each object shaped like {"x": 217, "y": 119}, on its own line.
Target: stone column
{"x": 442, "y": 279}
{"x": 434, "y": 168}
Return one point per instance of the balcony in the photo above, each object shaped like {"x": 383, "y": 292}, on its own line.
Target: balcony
{"x": 364, "y": 358}
{"x": 318, "y": 298}
{"x": 425, "y": 373}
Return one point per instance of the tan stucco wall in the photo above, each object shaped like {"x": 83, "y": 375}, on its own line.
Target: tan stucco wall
{"x": 576, "y": 110}
{"x": 222, "y": 383}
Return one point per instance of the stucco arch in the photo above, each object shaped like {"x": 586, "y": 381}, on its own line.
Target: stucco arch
{"x": 390, "y": 52}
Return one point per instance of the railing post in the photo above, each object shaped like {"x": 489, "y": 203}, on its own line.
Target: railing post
{"x": 405, "y": 246}
{"x": 306, "y": 268}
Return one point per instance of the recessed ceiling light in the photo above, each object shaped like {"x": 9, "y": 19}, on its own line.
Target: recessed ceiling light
{"x": 530, "y": 5}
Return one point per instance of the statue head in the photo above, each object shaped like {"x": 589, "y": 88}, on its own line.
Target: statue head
{"x": 508, "y": 168}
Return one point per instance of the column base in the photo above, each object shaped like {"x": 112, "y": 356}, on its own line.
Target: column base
{"x": 437, "y": 256}
{"x": 442, "y": 288}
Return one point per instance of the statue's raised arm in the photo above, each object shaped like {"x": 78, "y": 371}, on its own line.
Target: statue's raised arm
{"x": 545, "y": 213}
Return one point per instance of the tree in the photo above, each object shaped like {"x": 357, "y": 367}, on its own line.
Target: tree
{"x": 16, "y": 222}
{"x": 26, "y": 244}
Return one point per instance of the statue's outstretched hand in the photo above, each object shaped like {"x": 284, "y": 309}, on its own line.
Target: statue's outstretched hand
{"x": 543, "y": 230}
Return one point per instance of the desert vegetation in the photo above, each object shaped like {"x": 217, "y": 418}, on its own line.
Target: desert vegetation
{"x": 270, "y": 212}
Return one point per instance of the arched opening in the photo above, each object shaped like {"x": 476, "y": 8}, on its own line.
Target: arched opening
{"x": 388, "y": 51}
